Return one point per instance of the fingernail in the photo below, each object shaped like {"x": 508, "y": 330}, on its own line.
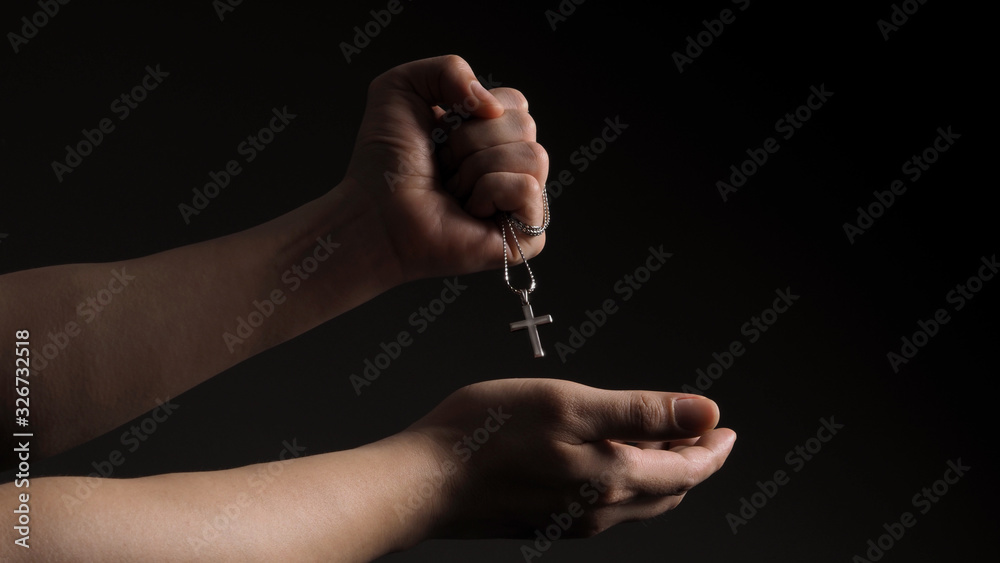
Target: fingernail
{"x": 695, "y": 415}
{"x": 481, "y": 92}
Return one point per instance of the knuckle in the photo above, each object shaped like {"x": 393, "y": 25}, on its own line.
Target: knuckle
{"x": 630, "y": 460}
{"x": 646, "y": 413}
{"x": 462, "y": 394}
{"x": 612, "y": 488}
{"x": 692, "y": 475}
{"x": 687, "y": 481}
{"x": 539, "y": 154}
{"x": 710, "y": 466}
{"x": 614, "y": 494}
{"x": 529, "y": 130}
{"x": 555, "y": 401}
{"x": 513, "y": 99}
{"x": 453, "y": 61}
{"x": 532, "y": 188}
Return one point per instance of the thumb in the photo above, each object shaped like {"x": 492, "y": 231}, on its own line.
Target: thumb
{"x": 643, "y": 416}
{"x": 439, "y": 81}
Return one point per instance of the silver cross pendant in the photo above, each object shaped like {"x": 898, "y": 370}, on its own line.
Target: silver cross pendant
{"x": 531, "y": 323}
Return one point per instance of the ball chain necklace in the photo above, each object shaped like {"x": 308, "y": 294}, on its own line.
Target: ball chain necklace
{"x": 530, "y": 322}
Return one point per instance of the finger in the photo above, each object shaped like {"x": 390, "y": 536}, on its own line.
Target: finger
{"x": 520, "y": 158}
{"x": 520, "y": 194}
{"x": 511, "y": 99}
{"x": 464, "y": 137}
{"x": 652, "y": 445}
{"x": 675, "y": 471}
{"x": 642, "y": 416}
{"x": 648, "y": 445}
{"x": 646, "y": 507}
{"x": 674, "y": 444}
{"x": 643, "y": 483}
{"x": 597, "y": 519}
{"x": 677, "y": 445}
{"x": 480, "y": 134}
{"x": 446, "y": 81}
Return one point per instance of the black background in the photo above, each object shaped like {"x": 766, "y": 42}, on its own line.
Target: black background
{"x": 655, "y": 185}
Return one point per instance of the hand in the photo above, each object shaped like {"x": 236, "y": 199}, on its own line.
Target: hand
{"x": 525, "y": 449}
{"x": 435, "y": 203}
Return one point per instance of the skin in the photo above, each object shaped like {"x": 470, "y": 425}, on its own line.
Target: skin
{"x": 434, "y": 218}
{"x": 387, "y": 496}
{"x": 436, "y": 221}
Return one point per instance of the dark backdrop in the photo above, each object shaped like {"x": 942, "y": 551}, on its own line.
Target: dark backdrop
{"x": 655, "y": 186}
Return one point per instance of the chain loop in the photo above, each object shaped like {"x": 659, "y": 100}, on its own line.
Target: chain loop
{"x": 532, "y": 230}
{"x": 507, "y": 222}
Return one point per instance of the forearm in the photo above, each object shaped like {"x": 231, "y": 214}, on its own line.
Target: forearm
{"x": 331, "y": 507}
{"x": 109, "y": 340}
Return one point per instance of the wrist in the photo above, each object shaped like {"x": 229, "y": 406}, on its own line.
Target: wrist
{"x": 348, "y": 218}
{"x": 431, "y": 487}
{"x": 326, "y": 257}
